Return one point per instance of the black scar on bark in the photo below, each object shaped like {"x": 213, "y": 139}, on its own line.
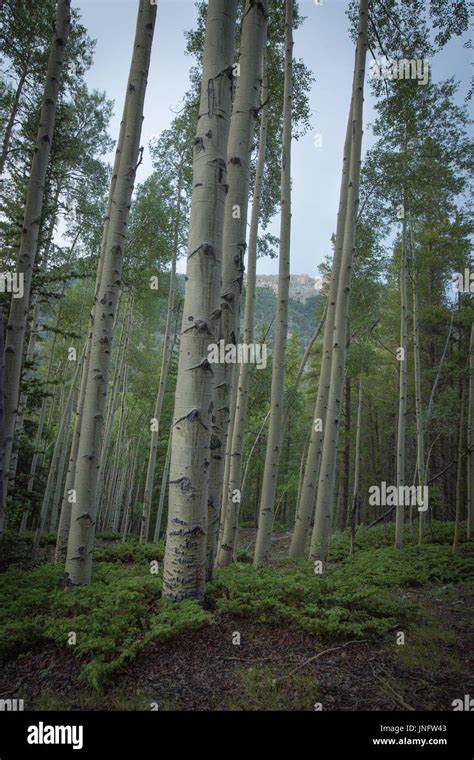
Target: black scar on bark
{"x": 200, "y": 325}
{"x": 199, "y": 144}
{"x": 183, "y": 482}
{"x": 193, "y": 416}
{"x": 206, "y": 248}
{"x": 216, "y": 443}
{"x": 204, "y": 366}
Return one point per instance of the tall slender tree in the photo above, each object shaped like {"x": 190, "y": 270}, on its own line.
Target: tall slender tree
{"x": 185, "y": 555}
{"x": 327, "y": 476}
{"x": 83, "y": 518}
{"x": 402, "y": 356}
{"x": 275, "y": 432}
{"x": 19, "y": 309}
{"x": 470, "y": 441}
{"x": 233, "y": 492}
{"x": 241, "y": 135}
{"x": 306, "y": 501}
{"x": 167, "y": 349}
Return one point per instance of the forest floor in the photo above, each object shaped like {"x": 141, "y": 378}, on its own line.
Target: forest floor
{"x": 249, "y": 650}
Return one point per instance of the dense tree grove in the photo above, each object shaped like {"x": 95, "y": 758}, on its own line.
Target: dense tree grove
{"x": 178, "y": 442}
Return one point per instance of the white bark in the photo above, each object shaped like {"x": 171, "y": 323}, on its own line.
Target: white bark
{"x": 275, "y": 432}
{"x": 241, "y": 135}
{"x": 420, "y": 433}
{"x": 327, "y": 475}
{"x": 457, "y": 518}
{"x": 83, "y": 518}
{"x": 164, "y": 481}
{"x": 306, "y": 501}
{"x": 403, "y": 389}
{"x": 55, "y": 459}
{"x": 185, "y": 556}
{"x": 167, "y": 351}
{"x": 470, "y": 441}
{"x": 19, "y": 309}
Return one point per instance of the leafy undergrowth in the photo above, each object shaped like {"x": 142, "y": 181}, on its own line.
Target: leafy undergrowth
{"x": 110, "y": 622}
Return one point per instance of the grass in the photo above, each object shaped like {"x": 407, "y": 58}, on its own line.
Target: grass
{"x": 358, "y": 596}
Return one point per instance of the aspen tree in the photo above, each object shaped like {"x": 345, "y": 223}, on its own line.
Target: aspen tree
{"x": 19, "y": 309}
{"x": 35, "y": 326}
{"x": 167, "y": 350}
{"x": 241, "y": 135}
{"x": 420, "y": 435}
{"x": 275, "y": 432}
{"x": 459, "y": 456}
{"x": 306, "y": 501}
{"x": 62, "y": 431}
{"x": 470, "y": 441}
{"x": 83, "y": 517}
{"x": 164, "y": 481}
{"x": 2, "y": 429}
{"x": 117, "y": 383}
{"x": 69, "y": 494}
{"x": 403, "y": 385}
{"x": 327, "y": 475}
{"x": 355, "y": 505}
{"x": 185, "y": 555}
{"x": 233, "y": 483}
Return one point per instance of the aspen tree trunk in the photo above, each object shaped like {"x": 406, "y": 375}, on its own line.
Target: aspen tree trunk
{"x": 346, "y": 459}
{"x": 164, "y": 481}
{"x": 2, "y": 430}
{"x": 119, "y": 494}
{"x": 275, "y": 431}
{"x": 62, "y": 431}
{"x": 403, "y": 383}
{"x": 41, "y": 419}
{"x": 327, "y": 476}
{"x": 131, "y": 499}
{"x": 241, "y": 135}
{"x": 235, "y": 445}
{"x": 115, "y": 479}
{"x": 18, "y": 317}
{"x": 355, "y": 506}
{"x": 458, "y": 492}
{"x": 304, "y": 454}
{"x": 30, "y": 351}
{"x": 185, "y": 555}
{"x": 420, "y": 436}
{"x": 306, "y": 501}
{"x": 60, "y": 473}
{"x": 225, "y": 482}
{"x": 69, "y": 494}
{"x": 11, "y": 121}
{"x": 470, "y": 441}
{"x": 117, "y": 384}
{"x": 167, "y": 350}
{"x": 83, "y": 518}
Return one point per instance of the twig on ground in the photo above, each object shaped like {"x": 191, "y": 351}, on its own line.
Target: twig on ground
{"x": 317, "y": 656}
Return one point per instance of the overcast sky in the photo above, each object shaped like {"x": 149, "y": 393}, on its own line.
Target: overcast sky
{"x": 323, "y": 42}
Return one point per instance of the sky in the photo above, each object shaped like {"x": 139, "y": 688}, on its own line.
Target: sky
{"x": 324, "y": 44}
